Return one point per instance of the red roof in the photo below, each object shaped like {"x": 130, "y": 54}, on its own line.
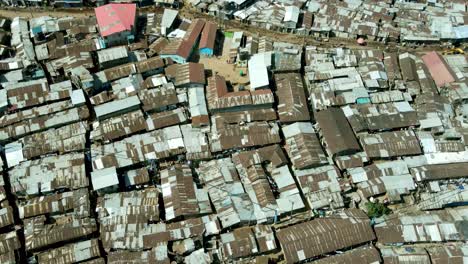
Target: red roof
{"x": 208, "y": 35}
{"x": 115, "y": 18}
{"x": 438, "y": 68}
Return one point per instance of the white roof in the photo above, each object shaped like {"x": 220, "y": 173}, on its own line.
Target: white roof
{"x": 177, "y": 33}
{"x": 238, "y": 2}
{"x": 236, "y": 39}
{"x": 116, "y": 106}
{"x": 258, "y": 72}
{"x": 104, "y": 178}
{"x": 3, "y": 98}
{"x": 398, "y": 182}
{"x": 168, "y": 17}
{"x": 292, "y": 14}
{"x": 78, "y": 97}
{"x": 461, "y": 32}
{"x": 297, "y": 128}
{"x": 14, "y": 154}
{"x": 197, "y": 103}
{"x": 403, "y": 106}
{"x": 290, "y": 203}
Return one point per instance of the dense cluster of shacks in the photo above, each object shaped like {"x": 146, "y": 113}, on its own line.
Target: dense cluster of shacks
{"x": 409, "y": 21}
{"x": 137, "y": 154}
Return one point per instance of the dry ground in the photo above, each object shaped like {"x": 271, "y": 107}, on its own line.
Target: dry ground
{"x": 219, "y": 65}
{"x": 32, "y": 12}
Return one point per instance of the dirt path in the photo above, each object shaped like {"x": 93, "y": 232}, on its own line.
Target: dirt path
{"x": 38, "y": 12}
{"x": 234, "y": 25}
{"x": 228, "y": 25}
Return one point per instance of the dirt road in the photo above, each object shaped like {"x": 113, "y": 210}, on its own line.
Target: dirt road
{"x": 234, "y": 25}
{"x": 36, "y": 12}
{"x": 228, "y": 25}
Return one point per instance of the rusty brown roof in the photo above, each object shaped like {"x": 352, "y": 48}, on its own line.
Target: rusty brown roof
{"x": 188, "y": 73}
{"x": 208, "y": 36}
{"x": 158, "y": 98}
{"x": 39, "y": 233}
{"x": 149, "y": 64}
{"x": 391, "y": 144}
{"x": 179, "y": 194}
{"x": 219, "y": 97}
{"x": 272, "y": 154}
{"x": 166, "y": 118}
{"x": 226, "y": 136}
{"x": 336, "y": 131}
{"x": 292, "y": 105}
{"x": 364, "y": 254}
{"x": 9, "y": 242}
{"x": 324, "y": 235}
{"x": 157, "y": 46}
{"x": 69, "y": 253}
{"x": 193, "y": 31}
{"x": 447, "y": 254}
{"x": 76, "y": 202}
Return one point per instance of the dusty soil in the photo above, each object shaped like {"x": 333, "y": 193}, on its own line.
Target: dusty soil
{"x": 230, "y": 25}
{"x": 219, "y": 65}
{"x": 35, "y": 12}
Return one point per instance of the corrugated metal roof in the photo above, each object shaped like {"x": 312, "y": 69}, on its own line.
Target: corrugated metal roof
{"x": 391, "y": 144}
{"x": 435, "y": 226}
{"x": 104, "y": 178}
{"x": 115, "y": 18}
{"x": 324, "y": 235}
{"x": 363, "y": 254}
{"x": 208, "y": 36}
{"x": 303, "y": 147}
{"x": 179, "y": 194}
{"x": 76, "y": 252}
{"x": 440, "y": 71}
{"x": 336, "y": 131}
{"x": 322, "y": 186}
{"x": 138, "y": 148}
{"x": 292, "y": 103}
{"x": 39, "y": 234}
{"x": 258, "y": 72}
{"x": 32, "y": 177}
{"x": 119, "y": 126}
{"x": 196, "y": 143}
{"x": 168, "y": 17}
{"x": 106, "y": 110}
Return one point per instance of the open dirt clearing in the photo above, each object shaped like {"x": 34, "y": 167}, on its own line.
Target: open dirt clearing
{"x": 219, "y": 65}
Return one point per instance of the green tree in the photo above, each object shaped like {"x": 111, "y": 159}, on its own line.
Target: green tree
{"x": 377, "y": 209}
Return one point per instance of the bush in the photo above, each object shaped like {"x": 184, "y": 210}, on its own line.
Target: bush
{"x": 377, "y": 209}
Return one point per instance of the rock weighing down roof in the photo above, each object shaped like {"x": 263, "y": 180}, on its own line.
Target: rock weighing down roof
{"x": 115, "y": 18}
